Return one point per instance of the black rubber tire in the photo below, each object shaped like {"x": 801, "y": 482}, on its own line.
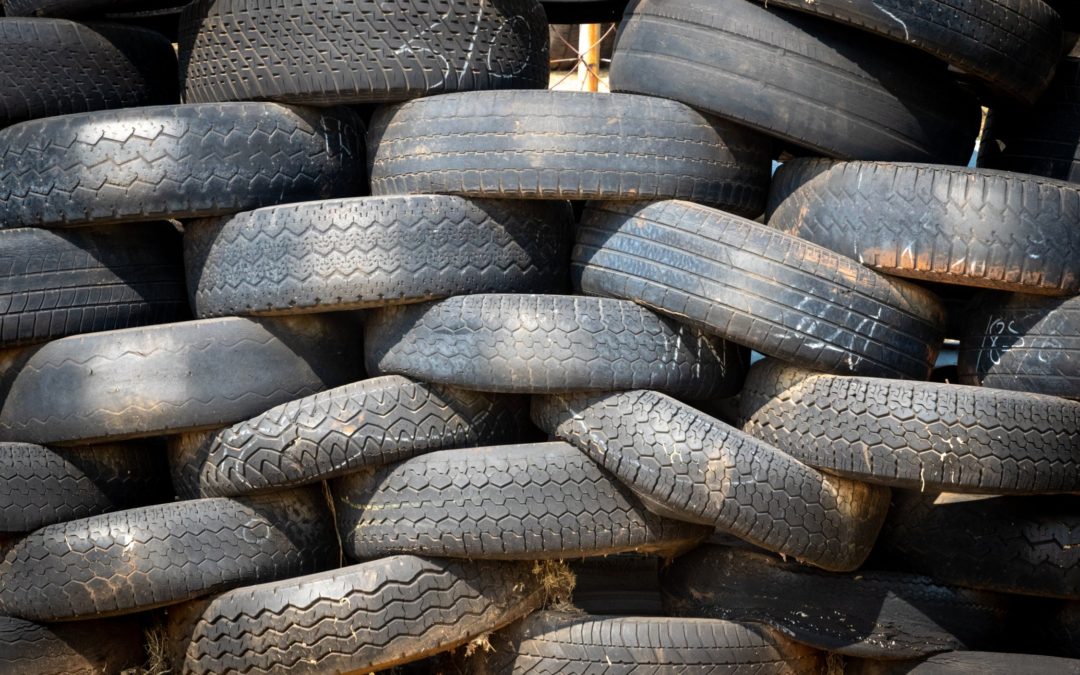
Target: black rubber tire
{"x": 835, "y": 91}
{"x": 373, "y": 252}
{"x": 868, "y": 614}
{"x": 761, "y": 288}
{"x": 684, "y": 464}
{"x": 583, "y": 11}
{"x": 535, "y": 344}
{"x": 1012, "y": 46}
{"x": 971, "y": 227}
{"x": 80, "y": 8}
{"x": 84, "y": 648}
{"x": 361, "y": 618}
{"x": 554, "y": 643}
{"x": 55, "y": 284}
{"x": 967, "y": 663}
{"x": 363, "y": 52}
{"x": 916, "y": 435}
{"x": 511, "y": 502}
{"x": 134, "y": 560}
{"x": 175, "y": 162}
{"x": 617, "y": 584}
{"x": 1022, "y": 545}
{"x": 170, "y": 378}
{"x": 1022, "y": 342}
{"x": 564, "y": 145}
{"x": 351, "y": 428}
{"x": 39, "y": 486}
{"x": 52, "y": 67}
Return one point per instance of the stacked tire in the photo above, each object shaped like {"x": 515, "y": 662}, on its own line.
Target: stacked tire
{"x": 333, "y": 341}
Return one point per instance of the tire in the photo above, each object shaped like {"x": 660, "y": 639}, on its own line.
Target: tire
{"x": 84, "y": 648}
{"x": 1011, "y": 46}
{"x": 171, "y": 378}
{"x": 869, "y": 614}
{"x": 364, "y": 52}
{"x": 513, "y": 502}
{"x": 358, "y": 426}
{"x": 534, "y": 344}
{"x": 617, "y": 584}
{"x": 39, "y": 486}
{"x": 915, "y": 435}
{"x": 135, "y": 560}
{"x": 836, "y": 92}
{"x": 175, "y": 162}
{"x": 563, "y": 145}
{"x": 961, "y": 663}
{"x": 373, "y": 252}
{"x": 52, "y": 67}
{"x": 361, "y": 618}
{"x": 56, "y": 284}
{"x": 1024, "y": 343}
{"x": 583, "y": 11}
{"x": 108, "y": 8}
{"x": 684, "y": 464}
{"x": 971, "y": 227}
{"x": 760, "y": 288}
{"x": 549, "y": 643}
{"x": 1022, "y": 545}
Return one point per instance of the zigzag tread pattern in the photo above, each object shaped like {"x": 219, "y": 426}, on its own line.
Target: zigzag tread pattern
{"x": 83, "y": 648}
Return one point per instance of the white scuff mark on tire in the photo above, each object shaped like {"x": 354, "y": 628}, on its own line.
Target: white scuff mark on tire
{"x": 907, "y": 36}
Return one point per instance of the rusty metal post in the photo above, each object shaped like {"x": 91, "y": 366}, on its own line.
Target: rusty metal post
{"x": 589, "y": 57}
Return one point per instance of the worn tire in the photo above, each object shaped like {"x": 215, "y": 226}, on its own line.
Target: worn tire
{"x": 972, "y": 227}
{"x": 134, "y": 560}
{"x": 533, "y": 344}
{"x": 361, "y": 618}
{"x": 363, "y": 52}
{"x": 967, "y": 663}
{"x": 80, "y": 8}
{"x": 834, "y": 91}
{"x": 175, "y": 162}
{"x": 358, "y": 426}
{"x": 565, "y": 145}
{"x": 170, "y": 378}
{"x": 916, "y": 435}
{"x": 511, "y": 502}
{"x": 758, "y": 287}
{"x": 868, "y": 614}
{"x": 84, "y": 648}
{"x": 373, "y": 252}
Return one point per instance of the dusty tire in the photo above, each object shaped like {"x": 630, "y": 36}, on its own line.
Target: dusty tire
{"x": 361, "y": 618}
{"x": 868, "y": 614}
{"x": 52, "y": 67}
{"x": 175, "y": 162}
{"x": 971, "y": 227}
{"x": 835, "y": 91}
{"x": 533, "y": 344}
{"x": 684, "y": 464}
{"x": 134, "y": 560}
{"x": 358, "y": 426}
{"x": 84, "y": 648}
{"x": 564, "y": 145}
{"x": 957, "y": 663}
{"x": 170, "y": 378}
{"x": 512, "y": 502}
{"x": 915, "y": 435}
{"x": 758, "y": 287}
{"x": 372, "y": 252}
{"x": 363, "y": 52}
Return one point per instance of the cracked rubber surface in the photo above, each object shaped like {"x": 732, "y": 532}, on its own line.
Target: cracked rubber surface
{"x": 960, "y": 663}
{"x": 829, "y": 88}
{"x": 534, "y": 344}
{"x": 350, "y": 428}
{"x": 360, "y": 618}
{"x": 129, "y": 561}
{"x": 170, "y": 378}
{"x": 360, "y": 52}
{"x": 748, "y": 283}
{"x": 972, "y": 227}
{"x": 567, "y": 145}
{"x": 175, "y": 162}
{"x": 868, "y": 614}
{"x": 916, "y": 435}
{"x": 84, "y": 648}
{"x": 40, "y": 486}
{"x": 684, "y": 464}
{"x": 531, "y": 502}
{"x": 52, "y": 67}
{"x": 374, "y": 251}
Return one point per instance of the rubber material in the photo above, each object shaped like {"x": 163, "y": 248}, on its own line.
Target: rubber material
{"x": 511, "y": 502}
{"x": 108, "y": 8}
{"x": 84, "y": 648}
{"x": 628, "y": 584}
{"x": 968, "y": 663}
{"x": 372, "y": 252}
{"x": 579, "y": 12}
